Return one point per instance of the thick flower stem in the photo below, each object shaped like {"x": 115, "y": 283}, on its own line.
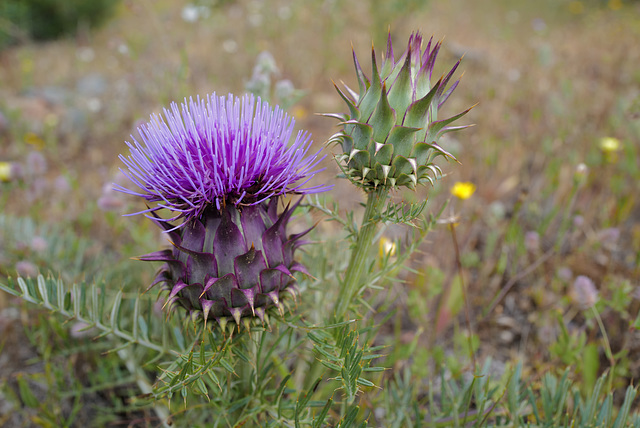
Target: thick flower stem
{"x": 360, "y": 253}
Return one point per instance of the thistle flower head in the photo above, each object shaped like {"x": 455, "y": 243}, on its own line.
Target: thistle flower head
{"x": 221, "y": 164}
{"x": 390, "y": 134}
{"x": 218, "y": 151}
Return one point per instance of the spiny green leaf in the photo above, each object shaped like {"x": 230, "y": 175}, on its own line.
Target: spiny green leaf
{"x": 353, "y": 110}
{"x": 417, "y": 115}
{"x": 400, "y": 92}
{"x": 383, "y": 118}
{"x": 371, "y": 97}
{"x": 437, "y": 126}
{"x": 402, "y": 138}
{"x": 384, "y": 154}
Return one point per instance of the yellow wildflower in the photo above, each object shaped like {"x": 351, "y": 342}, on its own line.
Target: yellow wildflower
{"x": 610, "y": 147}
{"x": 387, "y": 247}
{"x": 5, "y": 171}
{"x": 609, "y": 144}
{"x": 463, "y": 190}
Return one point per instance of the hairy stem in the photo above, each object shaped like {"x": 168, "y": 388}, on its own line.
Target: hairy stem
{"x": 360, "y": 252}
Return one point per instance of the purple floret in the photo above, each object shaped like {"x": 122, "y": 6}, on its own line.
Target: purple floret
{"x": 218, "y": 151}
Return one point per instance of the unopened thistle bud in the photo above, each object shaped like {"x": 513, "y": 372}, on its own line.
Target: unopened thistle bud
{"x": 220, "y": 165}
{"x": 390, "y": 135}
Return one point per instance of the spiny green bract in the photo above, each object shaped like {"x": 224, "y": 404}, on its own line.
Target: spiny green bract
{"x": 390, "y": 135}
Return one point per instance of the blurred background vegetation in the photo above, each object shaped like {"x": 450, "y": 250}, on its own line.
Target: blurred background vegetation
{"x": 558, "y": 84}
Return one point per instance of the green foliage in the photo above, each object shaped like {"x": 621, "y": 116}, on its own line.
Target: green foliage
{"x": 64, "y": 251}
{"x": 340, "y": 351}
{"x": 50, "y": 19}
{"x": 146, "y": 368}
{"x": 402, "y": 213}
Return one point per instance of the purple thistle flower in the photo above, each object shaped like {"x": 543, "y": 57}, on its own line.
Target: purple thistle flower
{"x": 218, "y": 151}
{"x": 221, "y": 164}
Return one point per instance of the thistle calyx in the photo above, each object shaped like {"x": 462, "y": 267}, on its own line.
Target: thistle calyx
{"x": 390, "y": 135}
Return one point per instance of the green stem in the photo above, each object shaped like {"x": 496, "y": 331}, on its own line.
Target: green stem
{"x": 607, "y": 347}
{"x": 360, "y": 253}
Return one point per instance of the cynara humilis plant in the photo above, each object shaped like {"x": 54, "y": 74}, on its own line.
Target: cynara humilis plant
{"x": 221, "y": 165}
{"x": 389, "y": 137}
{"x": 215, "y": 172}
